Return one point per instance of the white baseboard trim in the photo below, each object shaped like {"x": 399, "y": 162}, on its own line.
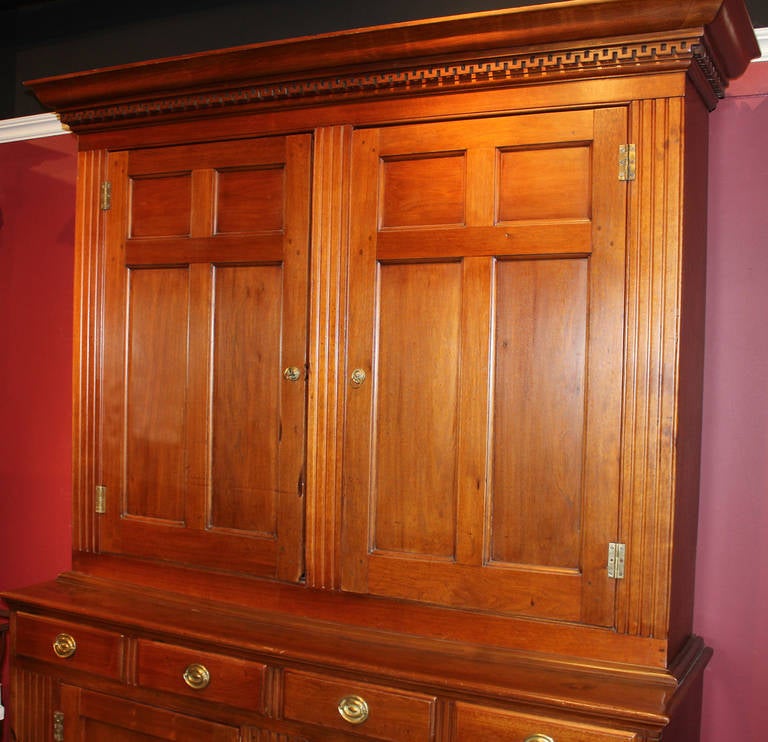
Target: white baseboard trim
{"x": 31, "y": 127}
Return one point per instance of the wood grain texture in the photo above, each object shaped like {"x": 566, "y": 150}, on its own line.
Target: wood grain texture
{"x": 437, "y": 205}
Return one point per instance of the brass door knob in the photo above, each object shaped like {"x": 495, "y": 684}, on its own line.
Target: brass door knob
{"x": 64, "y": 645}
{"x": 353, "y": 709}
{"x": 539, "y": 738}
{"x": 196, "y": 676}
{"x": 292, "y": 373}
{"x": 358, "y": 377}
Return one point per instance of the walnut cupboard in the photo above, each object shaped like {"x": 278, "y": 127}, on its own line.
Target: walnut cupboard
{"x": 388, "y": 385}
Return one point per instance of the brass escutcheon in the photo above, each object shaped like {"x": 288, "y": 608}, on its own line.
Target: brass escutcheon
{"x": 64, "y": 645}
{"x": 196, "y": 676}
{"x": 353, "y": 709}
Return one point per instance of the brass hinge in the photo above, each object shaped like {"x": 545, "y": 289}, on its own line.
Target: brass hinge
{"x": 616, "y": 557}
{"x": 100, "y": 502}
{"x": 106, "y": 196}
{"x": 627, "y": 162}
{"x": 58, "y": 726}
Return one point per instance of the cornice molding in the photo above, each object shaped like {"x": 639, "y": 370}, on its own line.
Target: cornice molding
{"x": 622, "y": 57}
{"x": 31, "y": 127}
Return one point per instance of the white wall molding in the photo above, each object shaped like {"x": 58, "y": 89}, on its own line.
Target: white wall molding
{"x": 31, "y": 127}
{"x": 762, "y": 39}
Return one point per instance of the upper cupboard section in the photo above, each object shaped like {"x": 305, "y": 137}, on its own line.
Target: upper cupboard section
{"x": 205, "y": 354}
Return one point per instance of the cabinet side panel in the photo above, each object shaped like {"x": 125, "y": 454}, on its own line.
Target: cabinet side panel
{"x": 651, "y": 383}
{"x": 690, "y": 381}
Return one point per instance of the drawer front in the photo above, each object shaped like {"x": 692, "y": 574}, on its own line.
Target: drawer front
{"x": 69, "y": 644}
{"x": 369, "y": 710}
{"x": 497, "y": 725}
{"x": 206, "y": 676}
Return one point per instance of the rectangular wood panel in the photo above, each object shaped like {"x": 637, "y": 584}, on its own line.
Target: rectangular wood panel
{"x": 156, "y": 395}
{"x": 528, "y": 178}
{"x": 417, "y": 396}
{"x": 160, "y": 205}
{"x": 250, "y": 199}
{"x": 423, "y": 190}
{"x": 246, "y": 397}
{"x": 539, "y": 411}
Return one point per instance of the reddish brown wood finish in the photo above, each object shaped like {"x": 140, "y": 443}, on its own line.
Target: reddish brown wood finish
{"x": 438, "y": 205}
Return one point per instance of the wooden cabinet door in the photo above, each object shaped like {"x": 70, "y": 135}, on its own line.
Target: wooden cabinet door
{"x": 205, "y": 296}
{"x": 486, "y": 311}
{"x": 94, "y": 717}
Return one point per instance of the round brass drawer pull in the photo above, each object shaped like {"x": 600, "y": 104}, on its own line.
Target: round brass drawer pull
{"x": 64, "y": 645}
{"x": 197, "y": 676}
{"x": 539, "y": 738}
{"x": 353, "y": 709}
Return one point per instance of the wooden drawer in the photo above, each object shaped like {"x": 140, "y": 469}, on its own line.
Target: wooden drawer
{"x": 496, "y": 725}
{"x": 203, "y": 675}
{"x": 69, "y": 644}
{"x": 371, "y": 711}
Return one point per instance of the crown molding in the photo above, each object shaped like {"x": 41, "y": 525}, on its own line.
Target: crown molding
{"x": 31, "y": 127}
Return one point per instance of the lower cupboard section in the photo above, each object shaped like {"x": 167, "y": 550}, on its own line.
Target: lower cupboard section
{"x": 314, "y": 709}
{"x": 76, "y": 678}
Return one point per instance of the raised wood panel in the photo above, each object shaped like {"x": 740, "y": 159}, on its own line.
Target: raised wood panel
{"x": 417, "y": 424}
{"x": 246, "y": 398}
{"x": 423, "y": 191}
{"x": 539, "y": 401}
{"x": 161, "y": 205}
{"x": 529, "y": 177}
{"x": 250, "y": 200}
{"x": 156, "y": 393}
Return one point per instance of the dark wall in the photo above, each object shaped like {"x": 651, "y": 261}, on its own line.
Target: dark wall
{"x": 39, "y": 38}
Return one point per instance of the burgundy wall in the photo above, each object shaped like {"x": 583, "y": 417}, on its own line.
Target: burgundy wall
{"x": 732, "y": 565}
{"x": 36, "y": 234}
{"x": 37, "y": 207}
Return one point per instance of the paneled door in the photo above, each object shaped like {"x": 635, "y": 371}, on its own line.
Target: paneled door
{"x": 205, "y": 353}
{"x": 87, "y": 716}
{"x": 484, "y": 394}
